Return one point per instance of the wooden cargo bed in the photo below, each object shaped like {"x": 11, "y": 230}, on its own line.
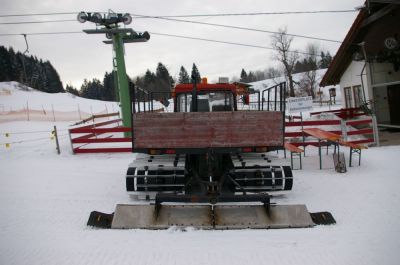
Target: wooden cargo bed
{"x": 208, "y": 129}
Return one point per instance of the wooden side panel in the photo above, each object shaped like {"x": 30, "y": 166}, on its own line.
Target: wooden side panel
{"x": 207, "y": 129}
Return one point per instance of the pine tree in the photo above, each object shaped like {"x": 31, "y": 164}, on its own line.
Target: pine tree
{"x": 72, "y": 90}
{"x": 109, "y": 92}
{"x": 328, "y": 59}
{"x": 183, "y": 76}
{"x": 164, "y": 83}
{"x": 251, "y": 77}
{"x": 84, "y": 88}
{"x": 5, "y": 65}
{"x": 195, "y": 74}
{"x": 149, "y": 78}
{"x": 325, "y": 60}
{"x": 243, "y": 76}
{"x": 139, "y": 82}
{"x": 29, "y": 71}
{"x": 162, "y": 72}
{"x": 92, "y": 89}
{"x": 54, "y": 84}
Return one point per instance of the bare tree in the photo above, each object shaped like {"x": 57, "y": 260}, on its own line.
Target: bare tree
{"x": 312, "y": 51}
{"x": 260, "y": 75}
{"x": 273, "y": 73}
{"x": 281, "y": 43}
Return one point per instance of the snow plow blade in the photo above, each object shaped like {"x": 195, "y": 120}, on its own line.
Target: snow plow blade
{"x": 211, "y": 217}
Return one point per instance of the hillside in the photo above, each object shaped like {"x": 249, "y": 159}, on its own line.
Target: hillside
{"x": 16, "y": 98}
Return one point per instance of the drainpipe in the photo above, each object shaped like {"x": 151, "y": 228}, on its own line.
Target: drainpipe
{"x": 374, "y": 120}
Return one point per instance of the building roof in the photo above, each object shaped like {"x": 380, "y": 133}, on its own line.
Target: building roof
{"x": 371, "y": 26}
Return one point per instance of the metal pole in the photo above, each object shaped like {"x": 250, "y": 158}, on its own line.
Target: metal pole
{"x": 344, "y": 129}
{"x": 27, "y": 109}
{"x": 57, "y": 143}
{"x": 320, "y": 154}
{"x": 54, "y": 116}
{"x": 123, "y": 86}
{"x": 375, "y": 130}
{"x": 302, "y": 133}
{"x": 70, "y": 140}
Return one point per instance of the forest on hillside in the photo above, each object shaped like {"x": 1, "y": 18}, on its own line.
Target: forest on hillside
{"x": 29, "y": 70}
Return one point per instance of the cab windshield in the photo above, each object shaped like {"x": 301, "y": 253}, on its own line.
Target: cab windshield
{"x": 206, "y": 102}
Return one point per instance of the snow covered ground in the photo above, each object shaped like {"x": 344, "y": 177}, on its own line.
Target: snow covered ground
{"x": 45, "y": 201}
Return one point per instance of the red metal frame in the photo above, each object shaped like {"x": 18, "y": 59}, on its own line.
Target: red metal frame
{"x": 347, "y": 113}
{"x": 299, "y": 133}
{"x": 93, "y": 131}
{"x": 312, "y": 123}
{"x": 102, "y": 150}
{"x": 358, "y": 122}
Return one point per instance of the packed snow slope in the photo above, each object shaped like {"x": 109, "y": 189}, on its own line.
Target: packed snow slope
{"x": 21, "y": 103}
{"x": 15, "y": 96}
{"x": 45, "y": 201}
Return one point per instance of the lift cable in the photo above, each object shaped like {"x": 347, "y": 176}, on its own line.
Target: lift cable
{"x": 41, "y": 33}
{"x": 188, "y": 21}
{"x": 262, "y": 13}
{"x": 202, "y": 15}
{"x": 36, "y": 22}
{"x": 240, "y": 28}
{"x": 39, "y": 14}
{"x": 166, "y": 35}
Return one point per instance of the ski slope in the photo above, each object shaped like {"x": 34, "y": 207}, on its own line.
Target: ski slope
{"x": 45, "y": 201}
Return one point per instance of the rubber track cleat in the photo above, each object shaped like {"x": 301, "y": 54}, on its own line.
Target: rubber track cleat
{"x": 101, "y": 220}
{"x": 323, "y": 218}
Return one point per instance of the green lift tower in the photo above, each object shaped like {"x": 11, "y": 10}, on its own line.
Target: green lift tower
{"x": 117, "y": 36}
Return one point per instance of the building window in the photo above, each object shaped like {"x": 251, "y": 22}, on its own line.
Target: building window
{"x": 357, "y": 96}
{"x": 347, "y": 97}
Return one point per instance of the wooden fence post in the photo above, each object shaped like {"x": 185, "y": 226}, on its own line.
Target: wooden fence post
{"x": 27, "y": 109}
{"x": 54, "y": 116}
{"x": 57, "y": 143}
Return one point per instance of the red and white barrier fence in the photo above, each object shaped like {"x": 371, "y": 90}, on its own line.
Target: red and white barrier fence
{"x": 99, "y": 136}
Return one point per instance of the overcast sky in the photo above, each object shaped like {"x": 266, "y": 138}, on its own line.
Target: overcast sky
{"x": 79, "y": 56}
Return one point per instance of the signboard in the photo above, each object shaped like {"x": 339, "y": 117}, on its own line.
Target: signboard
{"x": 300, "y": 104}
